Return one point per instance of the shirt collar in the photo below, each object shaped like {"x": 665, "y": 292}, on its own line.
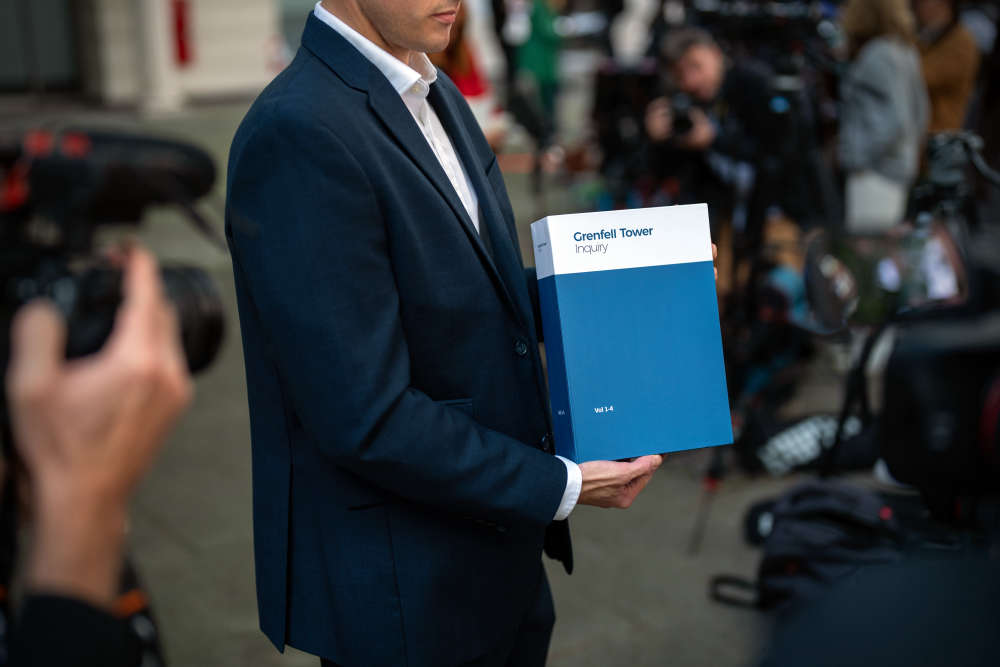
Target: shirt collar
{"x": 414, "y": 79}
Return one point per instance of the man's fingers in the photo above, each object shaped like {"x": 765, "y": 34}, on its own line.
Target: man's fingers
{"x": 715, "y": 252}
{"x": 38, "y": 349}
{"x": 633, "y": 488}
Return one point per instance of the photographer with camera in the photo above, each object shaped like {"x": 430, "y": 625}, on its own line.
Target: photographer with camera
{"x": 721, "y": 117}
{"x": 729, "y": 103}
{"x": 87, "y": 431}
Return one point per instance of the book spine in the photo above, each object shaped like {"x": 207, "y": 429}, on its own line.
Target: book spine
{"x": 562, "y": 422}
{"x": 562, "y": 418}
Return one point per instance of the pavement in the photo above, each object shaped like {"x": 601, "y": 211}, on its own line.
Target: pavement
{"x": 637, "y": 598}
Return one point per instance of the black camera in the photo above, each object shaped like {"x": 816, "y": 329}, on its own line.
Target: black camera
{"x": 680, "y": 109}
{"x": 56, "y": 190}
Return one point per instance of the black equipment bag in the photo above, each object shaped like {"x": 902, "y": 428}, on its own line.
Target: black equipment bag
{"x": 812, "y": 536}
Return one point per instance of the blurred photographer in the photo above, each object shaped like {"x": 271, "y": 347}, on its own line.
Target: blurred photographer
{"x": 720, "y": 124}
{"x": 87, "y": 431}
{"x": 729, "y": 111}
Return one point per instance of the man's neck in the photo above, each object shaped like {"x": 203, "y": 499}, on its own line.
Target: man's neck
{"x": 354, "y": 16}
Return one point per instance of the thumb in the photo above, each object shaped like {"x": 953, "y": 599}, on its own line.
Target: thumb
{"x": 645, "y": 465}
{"x": 37, "y": 349}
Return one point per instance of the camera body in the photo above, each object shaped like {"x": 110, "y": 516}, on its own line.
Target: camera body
{"x": 680, "y": 108}
{"x": 56, "y": 191}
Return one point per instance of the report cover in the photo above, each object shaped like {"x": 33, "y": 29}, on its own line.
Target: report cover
{"x": 632, "y": 336}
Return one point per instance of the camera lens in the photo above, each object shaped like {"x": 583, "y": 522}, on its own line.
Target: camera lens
{"x": 199, "y": 311}
{"x": 92, "y": 300}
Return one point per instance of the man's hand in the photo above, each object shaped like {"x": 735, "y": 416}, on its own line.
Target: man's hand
{"x": 614, "y": 483}
{"x": 659, "y": 119}
{"x": 715, "y": 257}
{"x": 702, "y": 132}
{"x": 89, "y": 429}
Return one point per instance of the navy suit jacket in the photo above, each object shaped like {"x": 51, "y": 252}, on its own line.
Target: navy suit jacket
{"x": 403, "y": 480}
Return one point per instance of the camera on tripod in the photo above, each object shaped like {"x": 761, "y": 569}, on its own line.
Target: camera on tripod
{"x": 939, "y": 427}
{"x": 56, "y": 190}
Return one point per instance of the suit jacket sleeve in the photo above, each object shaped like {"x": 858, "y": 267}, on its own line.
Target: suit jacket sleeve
{"x": 309, "y": 241}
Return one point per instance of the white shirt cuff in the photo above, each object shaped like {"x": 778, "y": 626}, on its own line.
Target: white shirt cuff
{"x": 574, "y": 482}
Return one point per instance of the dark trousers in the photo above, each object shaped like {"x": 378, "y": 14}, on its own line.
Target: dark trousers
{"x": 529, "y": 646}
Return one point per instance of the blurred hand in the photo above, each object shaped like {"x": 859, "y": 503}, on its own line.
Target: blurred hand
{"x": 715, "y": 257}
{"x": 89, "y": 429}
{"x": 616, "y": 483}
{"x": 702, "y": 132}
{"x": 659, "y": 119}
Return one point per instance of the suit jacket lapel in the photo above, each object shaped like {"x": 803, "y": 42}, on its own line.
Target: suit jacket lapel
{"x": 505, "y": 253}
{"x": 355, "y": 70}
{"x": 389, "y": 107}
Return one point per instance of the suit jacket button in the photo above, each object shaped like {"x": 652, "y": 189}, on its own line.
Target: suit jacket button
{"x": 521, "y": 348}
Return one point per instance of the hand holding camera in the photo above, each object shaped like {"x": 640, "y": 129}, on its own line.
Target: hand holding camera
{"x": 88, "y": 429}
{"x": 660, "y": 119}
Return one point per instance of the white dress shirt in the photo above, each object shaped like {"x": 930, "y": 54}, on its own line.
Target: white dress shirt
{"x": 413, "y": 83}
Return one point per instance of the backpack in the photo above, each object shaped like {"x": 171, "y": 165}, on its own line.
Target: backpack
{"x": 813, "y": 535}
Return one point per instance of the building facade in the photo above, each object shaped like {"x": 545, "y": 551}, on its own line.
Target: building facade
{"x": 153, "y": 54}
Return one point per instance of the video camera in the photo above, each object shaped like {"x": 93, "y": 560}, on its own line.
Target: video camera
{"x": 56, "y": 190}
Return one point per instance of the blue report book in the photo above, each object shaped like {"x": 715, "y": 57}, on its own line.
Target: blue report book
{"x": 632, "y": 336}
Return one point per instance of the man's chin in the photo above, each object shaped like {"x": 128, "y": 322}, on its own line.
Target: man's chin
{"x": 437, "y": 38}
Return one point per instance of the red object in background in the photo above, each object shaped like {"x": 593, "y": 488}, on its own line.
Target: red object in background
{"x": 76, "y": 145}
{"x": 39, "y": 143}
{"x": 14, "y": 190}
{"x": 182, "y": 31}
{"x": 471, "y": 83}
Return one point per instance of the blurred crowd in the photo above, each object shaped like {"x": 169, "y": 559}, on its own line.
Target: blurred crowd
{"x": 818, "y": 111}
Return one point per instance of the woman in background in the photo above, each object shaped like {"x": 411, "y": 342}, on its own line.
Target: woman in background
{"x": 884, "y": 114}
{"x": 459, "y": 62}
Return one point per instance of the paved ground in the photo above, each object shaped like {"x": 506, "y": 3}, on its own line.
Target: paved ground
{"x": 637, "y": 597}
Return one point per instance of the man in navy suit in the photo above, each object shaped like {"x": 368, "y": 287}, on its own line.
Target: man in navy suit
{"x": 404, "y": 480}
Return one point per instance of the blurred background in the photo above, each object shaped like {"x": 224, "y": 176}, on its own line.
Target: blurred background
{"x": 844, "y": 151}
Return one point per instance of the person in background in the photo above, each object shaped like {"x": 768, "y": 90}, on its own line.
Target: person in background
{"x": 507, "y": 47}
{"x": 459, "y": 62}
{"x": 884, "y": 112}
{"x": 538, "y": 59}
{"x": 950, "y": 60}
{"x": 725, "y": 145}
{"x": 729, "y": 113}
{"x": 87, "y": 431}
